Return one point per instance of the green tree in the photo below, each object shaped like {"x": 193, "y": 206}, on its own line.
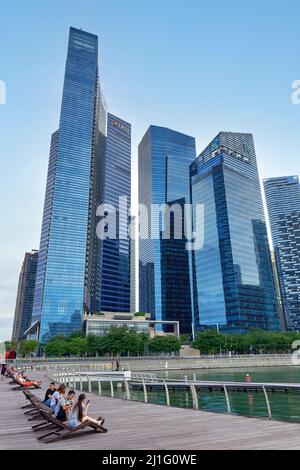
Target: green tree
{"x": 77, "y": 346}
{"x": 12, "y": 345}
{"x": 208, "y": 342}
{"x": 56, "y": 347}
{"x": 258, "y": 341}
{"x": 96, "y": 345}
{"x": 120, "y": 341}
{"x": 164, "y": 344}
{"x": 136, "y": 343}
{"x": 28, "y": 347}
{"x": 239, "y": 343}
{"x": 185, "y": 338}
{"x": 116, "y": 341}
{"x": 76, "y": 334}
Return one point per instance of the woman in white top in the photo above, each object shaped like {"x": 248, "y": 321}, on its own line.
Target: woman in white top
{"x": 56, "y": 398}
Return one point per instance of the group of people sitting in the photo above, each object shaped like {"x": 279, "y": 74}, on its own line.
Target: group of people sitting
{"x": 64, "y": 407}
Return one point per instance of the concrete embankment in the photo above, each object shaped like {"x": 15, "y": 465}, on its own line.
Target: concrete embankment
{"x": 169, "y": 363}
{"x": 207, "y": 363}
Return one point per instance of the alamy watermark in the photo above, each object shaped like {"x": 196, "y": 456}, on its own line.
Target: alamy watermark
{"x": 154, "y": 222}
{"x": 2, "y": 92}
{"x": 296, "y": 93}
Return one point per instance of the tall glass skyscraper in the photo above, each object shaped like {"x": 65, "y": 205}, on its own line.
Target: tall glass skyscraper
{"x": 68, "y": 274}
{"x": 25, "y": 295}
{"x": 233, "y": 280}
{"x": 164, "y": 159}
{"x": 283, "y": 202}
{"x": 115, "y": 261}
{"x": 133, "y": 254}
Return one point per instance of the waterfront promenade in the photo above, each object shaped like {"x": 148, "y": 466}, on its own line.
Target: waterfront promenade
{"x": 135, "y": 425}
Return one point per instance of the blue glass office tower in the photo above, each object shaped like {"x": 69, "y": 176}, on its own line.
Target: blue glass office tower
{"x": 283, "y": 202}
{"x": 164, "y": 285}
{"x": 115, "y": 261}
{"x": 233, "y": 280}
{"x": 68, "y": 274}
{"x": 25, "y": 295}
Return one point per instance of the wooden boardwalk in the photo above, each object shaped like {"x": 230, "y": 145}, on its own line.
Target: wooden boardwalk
{"x": 133, "y": 425}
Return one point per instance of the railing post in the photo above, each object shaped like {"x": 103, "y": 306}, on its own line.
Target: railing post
{"x": 99, "y": 386}
{"x": 227, "y": 399}
{"x": 80, "y": 378}
{"x": 267, "y": 401}
{"x": 128, "y": 394}
{"x": 89, "y": 384}
{"x": 112, "y": 388}
{"x": 194, "y": 397}
{"x": 167, "y": 393}
{"x": 145, "y": 392}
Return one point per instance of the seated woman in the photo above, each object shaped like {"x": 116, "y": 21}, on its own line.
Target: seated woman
{"x": 78, "y": 415}
{"x": 56, "y": 397}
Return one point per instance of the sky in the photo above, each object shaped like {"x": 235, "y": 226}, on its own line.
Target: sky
{"x": 195, "y": 66}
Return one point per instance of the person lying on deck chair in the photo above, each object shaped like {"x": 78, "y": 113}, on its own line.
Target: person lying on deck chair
{"x": 26, "y": 382}
{"x": 78, "y": 414}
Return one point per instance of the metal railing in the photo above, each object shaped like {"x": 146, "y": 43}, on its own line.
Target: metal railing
{"x": 71, "y": 379}
{"x": 144, "y": 376}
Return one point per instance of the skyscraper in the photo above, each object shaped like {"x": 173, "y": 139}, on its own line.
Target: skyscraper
{"x": 233, "y": 281}
{"x": 68, "y": 275}
{"x": 25, "y": 295}
{"x": 283, "y": 202}
{"x": 133, "y": 254}
{"x": 164, "y": 159}
{"x": 115, "y": 259}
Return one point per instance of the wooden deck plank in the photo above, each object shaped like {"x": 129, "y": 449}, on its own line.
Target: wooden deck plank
{"x": 135, "y": 425}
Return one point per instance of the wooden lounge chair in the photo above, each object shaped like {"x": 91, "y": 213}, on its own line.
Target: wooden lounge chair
{"x": 61, "y": 426}
{"x": 9, "y": 372}
{"x": 21, "y": 386}
{"x": 32, "y": 398}
{"x": 36, "y": 404}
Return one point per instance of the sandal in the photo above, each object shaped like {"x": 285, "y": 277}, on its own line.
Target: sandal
{"x": 101, "y": 420}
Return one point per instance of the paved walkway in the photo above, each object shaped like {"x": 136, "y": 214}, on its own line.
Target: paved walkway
{"x": 133, "y": 425}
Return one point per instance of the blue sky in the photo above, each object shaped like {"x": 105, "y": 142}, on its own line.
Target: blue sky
{"x": 192, "y": 65}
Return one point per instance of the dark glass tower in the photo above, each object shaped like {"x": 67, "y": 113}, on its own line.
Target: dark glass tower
{"x": 164, "y": 159}
{"x": 233, "y": 281}
{"x": 68, "y": 274}
{"x": 283, "y": 202}
{"x": 115, "y": 262}
{"x": 25, "y": 295}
